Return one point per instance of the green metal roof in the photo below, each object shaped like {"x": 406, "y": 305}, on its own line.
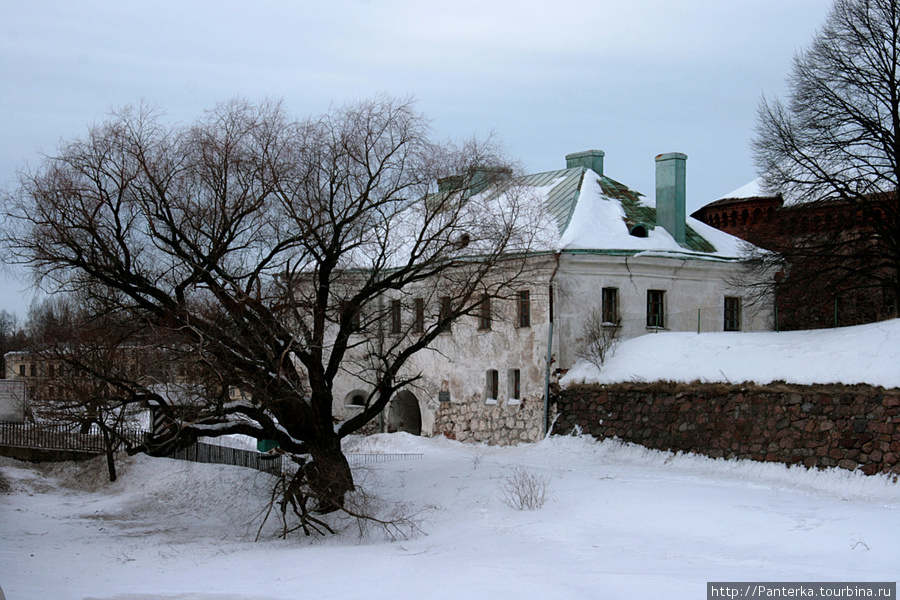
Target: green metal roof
{"x": 563, "y": 197}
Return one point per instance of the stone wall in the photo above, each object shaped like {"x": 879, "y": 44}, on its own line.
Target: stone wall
{"x": 854, "y": 427}
{"x": 500, "y": 423}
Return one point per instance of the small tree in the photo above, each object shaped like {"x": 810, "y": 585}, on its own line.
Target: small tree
{"x": 266, "y": 250}
{"x": 600, "y": 337}
{"x": 836, "y": 141}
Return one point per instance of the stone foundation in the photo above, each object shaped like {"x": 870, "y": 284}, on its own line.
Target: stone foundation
{"x": 476, "y": 420}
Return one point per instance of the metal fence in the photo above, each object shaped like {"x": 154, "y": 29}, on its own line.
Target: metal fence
{"x": 61, "y": 437}
{"x": 359, "y": 459}
{"x": 69, "y": 438}
{"x": 202, "y": 452}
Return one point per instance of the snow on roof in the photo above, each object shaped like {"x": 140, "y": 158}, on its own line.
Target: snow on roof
{"x": 596, "y": 213}
{"x": 753, "y": 189}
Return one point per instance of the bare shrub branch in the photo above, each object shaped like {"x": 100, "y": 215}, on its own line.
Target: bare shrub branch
{"x": 524, "y": 490}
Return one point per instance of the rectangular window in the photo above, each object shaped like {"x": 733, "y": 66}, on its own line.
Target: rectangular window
{"x": 395, "y": 316}
{"x": 492, "y": 387}
{"x": 347, "y": 311}
{"x": 34, "y": 370}
{"x": 732, "y": 314}
{"x": 22, "y": 370}
{"x": 610, "y": 306}
{"x": 524, "y": 308}
{"x": 515, "y": 384}
{"x": 656, "y": 310}
{"x": 484, "y": 313}
{"x": 445, "y": 313}
{"x": 419, "y": 317}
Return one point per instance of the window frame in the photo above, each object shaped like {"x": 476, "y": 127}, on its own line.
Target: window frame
{"x": 444, "y": 313}
{"x": 733, "y": 314}
{"x": 492, "y": 385}
{"x": 609, "y": 305}
{"x": 656, "y": 309}
{"x": 524, "y": 308}
{"x": 418, "y": 315}
{"x": 514, "y": 384}
{"x": 396, "y": 317}
{"x": 484, "y": 313}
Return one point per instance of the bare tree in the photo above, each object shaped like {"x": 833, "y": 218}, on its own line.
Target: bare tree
{"x": 267, "y": 248}
{"x": 94, "y": 372}
{"x": 12, "y": 338}
{"x": 835, "y": 142}
{"x": 600, "y": 336}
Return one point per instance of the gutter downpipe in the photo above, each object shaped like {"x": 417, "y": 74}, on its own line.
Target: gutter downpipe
{"x": 549, "y": 349}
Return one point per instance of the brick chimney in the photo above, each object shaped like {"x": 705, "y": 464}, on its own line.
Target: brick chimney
{"x": 592, "y": 159}
{"x": 671, "y": 194}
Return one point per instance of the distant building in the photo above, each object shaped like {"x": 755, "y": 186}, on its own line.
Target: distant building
{"x": 813, "y": 291}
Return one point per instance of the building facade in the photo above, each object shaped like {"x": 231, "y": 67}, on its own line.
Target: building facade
{"x": 627, "y": 264}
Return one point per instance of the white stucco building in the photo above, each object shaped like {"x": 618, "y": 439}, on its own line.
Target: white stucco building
{"x": 638, "y": 263}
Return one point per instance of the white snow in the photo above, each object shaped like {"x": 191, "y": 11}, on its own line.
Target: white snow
{"x": 850, "y": 355}
{"x": 597, "y": 223}
{"x": 750, "y": 190}
{"x": 621, "y": 521}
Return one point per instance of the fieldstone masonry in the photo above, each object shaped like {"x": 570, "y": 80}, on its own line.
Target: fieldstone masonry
{"x": 500, "y": 423}
{"x": 853, "y": 427}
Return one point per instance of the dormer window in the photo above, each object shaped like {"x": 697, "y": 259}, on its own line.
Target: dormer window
{"x": 639, "y": 231}
{"x": 462, "y": 241}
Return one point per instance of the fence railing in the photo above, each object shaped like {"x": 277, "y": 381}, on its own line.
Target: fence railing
{"x": 68, "y": 438}
{"x": 61, "y": 437}
{"x": 357, "y": 459}
{"x": 202, "y": 452}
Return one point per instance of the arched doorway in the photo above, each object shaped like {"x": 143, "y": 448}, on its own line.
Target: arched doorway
{"x": 404, "y": 414}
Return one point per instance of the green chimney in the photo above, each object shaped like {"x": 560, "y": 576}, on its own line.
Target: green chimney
{"x": 670, "y": 194}
{"x": 592, "y": 159}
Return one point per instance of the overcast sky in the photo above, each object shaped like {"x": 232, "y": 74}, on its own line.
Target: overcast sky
{"x": 634, "y": 78}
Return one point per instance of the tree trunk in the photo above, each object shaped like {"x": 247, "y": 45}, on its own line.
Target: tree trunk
{"x": 328, "y": 474}
{"x": 110, "y": 458}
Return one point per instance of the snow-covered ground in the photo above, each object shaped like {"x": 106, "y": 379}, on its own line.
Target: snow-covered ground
{"x": 861, "y": 354}
{"x": 621, "y": 522}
